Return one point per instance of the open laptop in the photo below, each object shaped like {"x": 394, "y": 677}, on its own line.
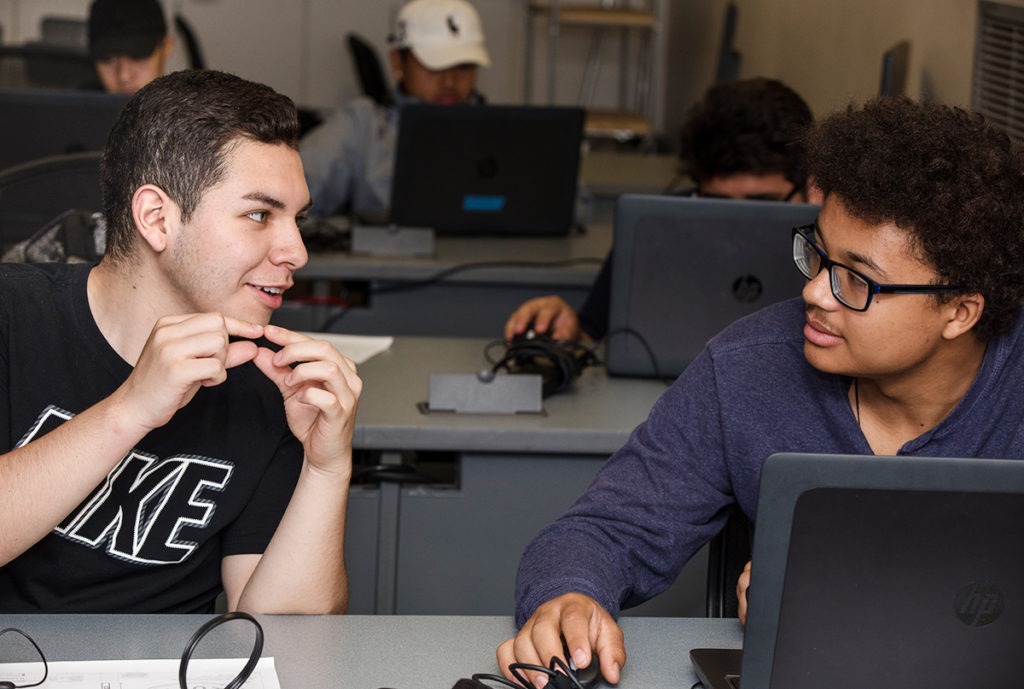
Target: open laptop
{"x": 38, "y": 123}
{"x": 487, "y": 170}
{"x": 684, "y": 268}
{"x": 882, "y": 572}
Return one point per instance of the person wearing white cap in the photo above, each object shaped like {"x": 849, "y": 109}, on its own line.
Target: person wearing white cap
{"x": 436, "y": 48}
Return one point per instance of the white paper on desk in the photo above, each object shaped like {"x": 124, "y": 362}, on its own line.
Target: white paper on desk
{"x": 358, "y": 348}
{"x": 205, "y": 673}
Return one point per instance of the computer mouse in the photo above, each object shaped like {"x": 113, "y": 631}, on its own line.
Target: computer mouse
{"x": 588, "y": 676}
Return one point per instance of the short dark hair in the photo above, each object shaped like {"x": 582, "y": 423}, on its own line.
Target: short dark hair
{"x": 176, "y": 132}
{"x": 954, "y": 182}
{"x": 753, "y": 126}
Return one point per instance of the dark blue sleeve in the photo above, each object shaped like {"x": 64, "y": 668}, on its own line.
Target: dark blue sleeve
{"x": 654, "y": 503}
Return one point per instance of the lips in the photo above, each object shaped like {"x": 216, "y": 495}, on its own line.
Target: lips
{"x": 271, "y": 295}
{"x": 818, "y": 333}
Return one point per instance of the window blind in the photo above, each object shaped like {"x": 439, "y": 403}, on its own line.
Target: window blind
{"x": 998, "y": 90}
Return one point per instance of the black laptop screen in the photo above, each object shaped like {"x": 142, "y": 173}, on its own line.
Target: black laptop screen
{"x": 505, "y": 170}
{"x": 901, "y": 588}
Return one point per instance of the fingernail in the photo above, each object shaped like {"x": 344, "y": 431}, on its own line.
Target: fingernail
{"x": 579, "y": 658}
{"x": 541, "y": 681}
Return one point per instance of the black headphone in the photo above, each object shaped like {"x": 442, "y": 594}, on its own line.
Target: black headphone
{"x": 559, "y": 362}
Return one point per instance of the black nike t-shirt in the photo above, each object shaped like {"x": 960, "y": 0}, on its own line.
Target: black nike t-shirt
{"x": 214, "y": 481}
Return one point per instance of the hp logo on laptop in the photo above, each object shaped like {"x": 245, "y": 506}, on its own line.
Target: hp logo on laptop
{"x": 747, "y": 288}
{"x": 978, "y": 605}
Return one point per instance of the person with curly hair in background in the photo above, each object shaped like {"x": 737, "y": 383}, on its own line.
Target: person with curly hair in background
{"x": 743, "y": 140}
{"x": 907, "y": 340}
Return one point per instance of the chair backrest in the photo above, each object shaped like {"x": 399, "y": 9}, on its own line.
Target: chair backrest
{"x": 195, "y": 53}
{"x": 33, "y": 193}
{"x": 728, "y": 56}
{"x": 895, "y": 62}
{"x": 369, "y": 70}
{"x": 37, "y": 123}
{"x": 68, "y": 31}
{"x": 728, "y": 553}
{"x": 45, "y": 65}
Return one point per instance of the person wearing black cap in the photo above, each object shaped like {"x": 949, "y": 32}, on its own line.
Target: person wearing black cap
{"x": 128, "y": 42}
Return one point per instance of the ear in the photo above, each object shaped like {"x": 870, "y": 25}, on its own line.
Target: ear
{"x": 396, "y": 64}
{"x": 166, "y": 45}
{"x": 964, "y": 313}
{"x": 155, "y": 215}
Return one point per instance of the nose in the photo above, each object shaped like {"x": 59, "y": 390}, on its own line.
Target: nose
{"x": 123, "y": 69}
{"x": 449, "y": 77}
{"x": 818, "y": 291}
{"x": 290, "y": 250}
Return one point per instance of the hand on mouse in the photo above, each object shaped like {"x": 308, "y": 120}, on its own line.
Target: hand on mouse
{"x": 548, "y": 315}
{"x": 587, "y": 628}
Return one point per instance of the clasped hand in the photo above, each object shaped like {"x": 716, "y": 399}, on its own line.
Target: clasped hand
{"x": 319, "y": 386}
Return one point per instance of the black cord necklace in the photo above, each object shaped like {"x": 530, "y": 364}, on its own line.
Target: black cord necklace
{"x": 856, "y": 399}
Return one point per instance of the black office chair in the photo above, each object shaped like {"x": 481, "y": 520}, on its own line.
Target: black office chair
{"x": 34, "y": 193}
{"x": 188, "y": 35}
{"x": 69, "y": 31}
{"x": 728, "y": 553}
{"x": 369, "y": 70}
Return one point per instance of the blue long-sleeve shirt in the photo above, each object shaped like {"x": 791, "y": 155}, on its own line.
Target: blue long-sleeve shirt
{"x": 749, "y": 394}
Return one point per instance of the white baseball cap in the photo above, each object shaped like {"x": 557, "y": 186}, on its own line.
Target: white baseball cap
{"x": 441, "y": 33}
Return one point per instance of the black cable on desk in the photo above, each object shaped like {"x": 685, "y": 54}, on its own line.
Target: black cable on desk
{"x": 482, "y": 265}
{"x": 656, "y": 369}
{"x": 461, "y": 268}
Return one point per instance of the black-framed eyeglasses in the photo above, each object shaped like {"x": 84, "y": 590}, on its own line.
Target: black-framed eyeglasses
{"x": 797, "y": 189}
{"x": 852, "y": 289}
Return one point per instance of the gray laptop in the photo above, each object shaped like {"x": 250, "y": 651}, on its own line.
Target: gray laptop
{"x": 882, "y": 572}
{"x": 684, "y": 268}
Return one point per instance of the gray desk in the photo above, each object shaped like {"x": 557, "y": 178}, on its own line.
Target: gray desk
{"x": 366, "y": 652}
{"x": 454, "y": 549}
{"x": 467, "y": 303}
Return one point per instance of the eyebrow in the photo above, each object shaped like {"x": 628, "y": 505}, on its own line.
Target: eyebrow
{"x": 264, "y": 198}
{"x": 749, "y": 197}
{"x": 273, "y": 202}
{"x": 853, "y": 256}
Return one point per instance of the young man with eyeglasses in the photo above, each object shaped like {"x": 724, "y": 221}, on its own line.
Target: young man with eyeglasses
{"x": 742, "y": 141}
{"x": 907, "y": 340}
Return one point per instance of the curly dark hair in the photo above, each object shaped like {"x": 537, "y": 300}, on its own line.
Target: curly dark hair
{"x": 954, "y": 182}
{"x": 751, "y": 126}
{"x": 176, "y": 133}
